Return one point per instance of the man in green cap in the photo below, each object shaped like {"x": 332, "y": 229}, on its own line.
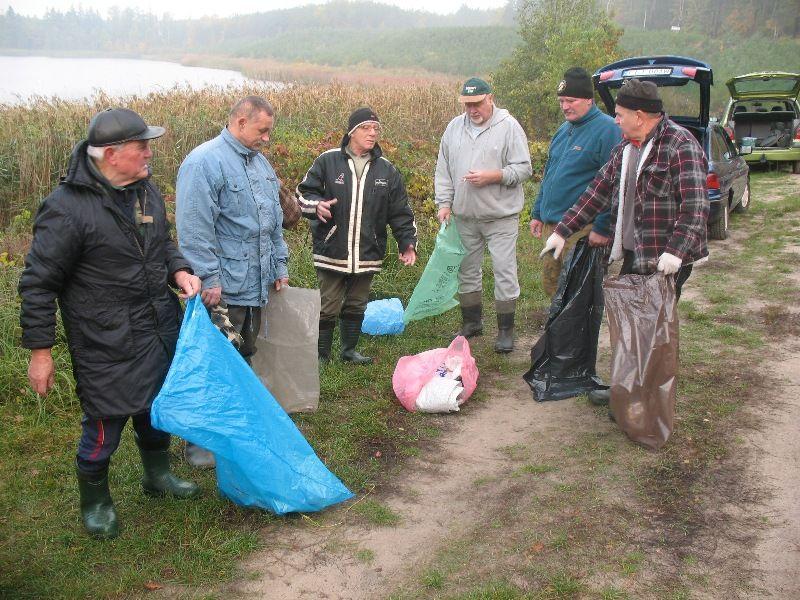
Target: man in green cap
{"x": 483, "y": 161}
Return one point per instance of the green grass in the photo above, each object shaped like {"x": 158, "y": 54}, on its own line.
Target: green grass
{"x": 376, "y": 513}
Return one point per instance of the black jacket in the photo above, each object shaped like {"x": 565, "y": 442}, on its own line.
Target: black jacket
{"x": 111, "y": 282}
{"x": 354, "y": 240}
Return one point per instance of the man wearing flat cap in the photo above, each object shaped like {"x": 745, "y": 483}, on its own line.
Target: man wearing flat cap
{"x": 101, "y": 249}
{"x": 483, "y": 161}
{"x": 350, "y": 194}
{"x": 579, "y": 148}
{"x": 655, "y": 185}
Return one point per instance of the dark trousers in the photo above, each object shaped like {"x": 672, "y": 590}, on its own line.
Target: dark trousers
{"x": 100, "y": 438}
{"x": 247, "y": 321}
{"x": 680, "y": 277}
{"x": 344, "y": 294}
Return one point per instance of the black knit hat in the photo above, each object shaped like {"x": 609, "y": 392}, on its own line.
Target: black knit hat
{"x": 576, "y": 84}
{"x": 636, "y": 94}
{"x": 359, "y": 117}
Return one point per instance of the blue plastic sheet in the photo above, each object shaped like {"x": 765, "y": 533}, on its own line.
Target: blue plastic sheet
{"x": 213, "y": 399}
{"x": 384, "y": 317}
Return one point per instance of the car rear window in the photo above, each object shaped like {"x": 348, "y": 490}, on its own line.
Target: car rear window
{"x": 770, "y": 85}
{"x": 679, "y": 100}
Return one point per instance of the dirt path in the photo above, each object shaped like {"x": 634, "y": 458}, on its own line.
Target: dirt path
{"x": 437, "y": 496}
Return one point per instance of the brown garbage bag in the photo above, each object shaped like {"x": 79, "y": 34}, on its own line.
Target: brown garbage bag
{"x": 286, "y": 358}
{"x": 643, "y": 323}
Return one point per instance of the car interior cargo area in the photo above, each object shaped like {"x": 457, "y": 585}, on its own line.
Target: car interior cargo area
{"x": 770, "y": 123}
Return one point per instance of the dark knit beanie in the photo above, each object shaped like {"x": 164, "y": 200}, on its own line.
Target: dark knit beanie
{"x": 636, "y": 94}
{"x": 359, "y": 117}
{"x": 576, "y": 84}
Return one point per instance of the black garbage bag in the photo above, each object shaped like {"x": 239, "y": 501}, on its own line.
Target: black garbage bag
{"x": 563, "y": 360}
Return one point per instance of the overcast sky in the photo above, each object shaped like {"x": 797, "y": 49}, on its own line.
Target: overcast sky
{"x": 197, "y": 8}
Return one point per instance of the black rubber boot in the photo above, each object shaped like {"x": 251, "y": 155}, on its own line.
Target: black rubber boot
{"x": 350, "y": 331}
{"x": 159, "y": 481}
{"x": 97, "y": 508}
{"x": 600, "y": 397}
{"x": 471, "y": 314}
{"x": 505, "y": 326}
{"x": 325, "y": 341}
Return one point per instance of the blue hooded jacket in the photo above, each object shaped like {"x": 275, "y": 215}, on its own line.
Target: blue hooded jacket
{"x": 577, "y": 152}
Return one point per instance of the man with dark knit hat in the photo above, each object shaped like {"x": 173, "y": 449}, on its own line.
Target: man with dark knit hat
{"x": 102, "y": 254}
{"x": 655, "y": 185}
{"x": 350, "y": 194}
{"x": 579, "y": 148}
{"x": 483, "y": 161}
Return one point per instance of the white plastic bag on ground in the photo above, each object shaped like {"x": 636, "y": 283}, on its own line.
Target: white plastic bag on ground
{"x": 440, "y": 394}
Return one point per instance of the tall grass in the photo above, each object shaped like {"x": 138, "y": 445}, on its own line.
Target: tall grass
{"x": 37, "y": 138}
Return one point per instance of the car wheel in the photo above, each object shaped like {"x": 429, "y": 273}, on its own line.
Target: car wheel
{"x": 744, "y": 203}
{"x": 718, "y": 230}
{"x": 796, "y": 167}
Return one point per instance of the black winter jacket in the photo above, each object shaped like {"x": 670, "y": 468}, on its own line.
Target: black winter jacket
{"x": 354, "y": 240}
{"x": 120, "y": 315}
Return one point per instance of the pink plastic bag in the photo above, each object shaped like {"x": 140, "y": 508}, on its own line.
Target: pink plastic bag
{"x": 413, "y": 372}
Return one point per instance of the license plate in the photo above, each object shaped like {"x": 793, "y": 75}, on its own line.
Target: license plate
{"x": 647, "y": 72}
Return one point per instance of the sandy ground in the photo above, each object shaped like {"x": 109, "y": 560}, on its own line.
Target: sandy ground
{"x": 436, "y": 498}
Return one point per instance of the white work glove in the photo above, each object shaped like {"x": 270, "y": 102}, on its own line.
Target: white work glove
{"x": 556, "y": 243}
{"x": 668, "y": 264}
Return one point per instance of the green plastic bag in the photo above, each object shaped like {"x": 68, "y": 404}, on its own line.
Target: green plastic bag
{"x": 436, "y": 289}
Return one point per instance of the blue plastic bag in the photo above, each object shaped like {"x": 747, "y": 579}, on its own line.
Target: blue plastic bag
{"x": 384, "y": 317}
{"x": 213, "y": 399}
{"x": 436, "y": 289}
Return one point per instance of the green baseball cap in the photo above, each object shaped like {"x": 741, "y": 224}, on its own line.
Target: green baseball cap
{"x": 474, "y": 89}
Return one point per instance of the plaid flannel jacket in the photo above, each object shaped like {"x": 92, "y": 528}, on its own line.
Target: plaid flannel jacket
{"x": 671, "y": 205}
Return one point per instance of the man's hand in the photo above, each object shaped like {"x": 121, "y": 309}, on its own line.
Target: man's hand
{"x": 409, "y": 257}
{"x": 596, "y": 240}
{"x": 281, "y": 283}
{"x": 189, "y": 284}
{"x": 324, "y": 209}
{"x": 211, "y": 296}
{"x": 536, "y": 228}
{"x": 483, "y": 178}
{"x": 556, "y": 243}
{"x": 443, "y": 214}
{"x": 668, "y": 264}
{"x": 41, "y": 371}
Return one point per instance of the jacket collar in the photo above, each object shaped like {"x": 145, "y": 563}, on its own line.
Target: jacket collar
{"x": 238, "y": 146}
{"x": 593, "y": 113}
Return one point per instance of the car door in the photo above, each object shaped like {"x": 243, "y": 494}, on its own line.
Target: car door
{"x": 720, "y": 163}
{"x": 738, "y": 166}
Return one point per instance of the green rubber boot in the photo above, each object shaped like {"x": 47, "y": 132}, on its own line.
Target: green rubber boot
{"x": 350, "y": 331}
{"x": 158, "y": 480}
{"x": 97, "y": 508}
{"x": 325, "y": 341}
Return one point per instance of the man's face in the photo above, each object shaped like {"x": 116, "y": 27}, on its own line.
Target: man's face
{"x": 364, "y": 138}
{"x": 254, "y": 133}
{"x": 629, "y": 121}
{"x": 130, "y": 161}
{"x": 480, "y": 112}
{"x": 574, "y": 108}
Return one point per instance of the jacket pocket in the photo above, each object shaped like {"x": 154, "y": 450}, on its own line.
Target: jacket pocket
{"x": 104, "y": 334}
{"x": 235, "y": 197}
{"x": 330, "y": 234}
{"x": 658, "y": 182}
{"x": 233, "y": 263}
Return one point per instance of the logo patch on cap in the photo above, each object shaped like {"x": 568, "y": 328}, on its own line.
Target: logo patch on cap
{"x": 562, "y": 86}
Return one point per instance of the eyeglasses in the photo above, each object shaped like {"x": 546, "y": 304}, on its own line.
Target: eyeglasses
{"x": 370, "y": 127}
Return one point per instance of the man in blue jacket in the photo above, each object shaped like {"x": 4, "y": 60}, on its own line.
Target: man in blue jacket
{"x": 229, "y": 222}
{"x": 579, "y": 148}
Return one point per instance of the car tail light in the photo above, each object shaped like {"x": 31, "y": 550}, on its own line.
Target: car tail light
{"x": 606, "y": 75}
{"x": 689, "y": 71}
{"x": 797, "y": 135}
{"x": 729, "y": 130}
{"x": 712, "y": 181}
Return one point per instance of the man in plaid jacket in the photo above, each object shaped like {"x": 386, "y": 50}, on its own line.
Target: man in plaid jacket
{"x": 655, "y": 184}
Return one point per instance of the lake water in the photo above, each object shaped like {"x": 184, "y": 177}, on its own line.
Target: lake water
{"x": 76, "y": 78}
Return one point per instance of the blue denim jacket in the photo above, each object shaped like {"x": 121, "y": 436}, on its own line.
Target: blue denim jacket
{"x": 229, "y": 220}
